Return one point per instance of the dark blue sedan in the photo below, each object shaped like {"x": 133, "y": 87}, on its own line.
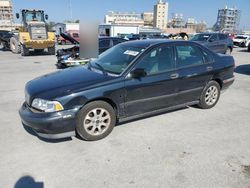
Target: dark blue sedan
{"x": 131, "y": 80}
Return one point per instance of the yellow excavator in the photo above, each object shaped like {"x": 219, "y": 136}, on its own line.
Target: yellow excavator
{"x": 33, "y": 34}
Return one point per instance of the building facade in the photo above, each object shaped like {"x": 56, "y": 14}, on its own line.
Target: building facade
{"x": 6, "y": 14}
{"x": 160, "y": 14}
{"x": 228, "y": 20}
{"x": 148, "y": 18}
{"x": 177, "y": 21}
{"x": 124, "y": 18}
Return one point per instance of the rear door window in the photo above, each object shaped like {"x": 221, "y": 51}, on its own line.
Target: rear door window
{"x": 104, "y": 43}
{"x": 222, "y": 36}
{"x": 188, "y": 55}
{"x": 117, "y": 41}
{"x": 214, "y": 38}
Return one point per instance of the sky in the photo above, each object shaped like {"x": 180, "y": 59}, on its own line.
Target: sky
{"x": 201, "y": 10}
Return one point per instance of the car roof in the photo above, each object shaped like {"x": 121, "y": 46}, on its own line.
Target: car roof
{"x": 151, "y": 42}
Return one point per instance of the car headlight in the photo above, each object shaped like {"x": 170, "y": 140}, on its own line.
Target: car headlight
{"x": 46, "y": 106}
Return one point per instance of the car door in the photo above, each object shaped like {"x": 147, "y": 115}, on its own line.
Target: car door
{"x": 223, "y": 43}
{"x": 213, "y": 43}
{"x": 104, "y": 44}
{"x": 157, "y": 89}
{"x": 194, "y": 69}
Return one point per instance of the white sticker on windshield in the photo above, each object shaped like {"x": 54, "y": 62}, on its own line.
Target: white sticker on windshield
{"x": 130, "y": 52}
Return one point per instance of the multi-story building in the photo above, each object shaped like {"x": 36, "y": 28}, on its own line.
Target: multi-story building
{"x": 177, "y": 21}
{"x": 124, "y": 18}
{"x": 228, "y": 20}
{"x": 160, "y": 14}
{"x": 148, "y": 18}
{"x": 6, "y": 14}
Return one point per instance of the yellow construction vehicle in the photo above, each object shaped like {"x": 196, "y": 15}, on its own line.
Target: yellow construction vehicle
{"x": 33, "y": 34}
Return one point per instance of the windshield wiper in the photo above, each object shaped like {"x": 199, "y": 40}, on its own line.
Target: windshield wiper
{"x": 102, "y": 69}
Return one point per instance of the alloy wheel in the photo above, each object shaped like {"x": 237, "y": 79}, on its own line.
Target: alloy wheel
{"x": 97, "y": 121}
{"x": 211, "y": 95}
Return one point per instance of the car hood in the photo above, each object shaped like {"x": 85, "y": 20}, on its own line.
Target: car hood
{"x": 66, "y": 36}
{"x": 62, "y": 83}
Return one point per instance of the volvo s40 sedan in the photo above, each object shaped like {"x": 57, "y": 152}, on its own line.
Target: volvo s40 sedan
{"x": 131, "y": 80}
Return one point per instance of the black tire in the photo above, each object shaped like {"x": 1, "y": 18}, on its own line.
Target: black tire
{"x": 52, "y": 50}
{"x": 82, "y": 127}
{"x": 24, "y": 51}
{"x": 15, "y": 46}
{"x": 39, "y": 50}
{"x": 207, "y": 100}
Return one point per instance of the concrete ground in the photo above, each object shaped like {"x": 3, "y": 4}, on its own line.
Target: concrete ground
{"x": 185, "y": 148}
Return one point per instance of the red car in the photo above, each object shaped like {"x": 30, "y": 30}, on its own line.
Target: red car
{"x": 73, "y": 33}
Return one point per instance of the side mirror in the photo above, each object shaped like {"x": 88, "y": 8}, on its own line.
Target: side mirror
{"x": 17, "y": 15}
{"x": 46, "y": 16}
{"x": 138, "y": 73}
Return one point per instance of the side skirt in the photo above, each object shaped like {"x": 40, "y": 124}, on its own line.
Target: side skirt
{"x": 155, "y": 112}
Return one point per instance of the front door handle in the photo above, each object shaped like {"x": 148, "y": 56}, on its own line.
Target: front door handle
{"x": 174, "y": 76}
{"x": 209, "y": 68}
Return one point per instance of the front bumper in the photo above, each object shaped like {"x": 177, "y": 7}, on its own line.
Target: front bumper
{"x": 50, "y": 125}
{"x": 39, "y": 44}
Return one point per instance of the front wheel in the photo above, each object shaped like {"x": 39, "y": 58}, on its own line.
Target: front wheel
{"x": 24, "y": 50}
{"x": 210, "y": 95}
{"x": 95, "y": 121}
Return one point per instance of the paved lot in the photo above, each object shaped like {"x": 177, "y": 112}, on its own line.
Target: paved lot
{"x": 185, "y": 148}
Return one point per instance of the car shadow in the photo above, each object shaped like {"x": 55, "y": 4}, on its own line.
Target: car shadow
{"x": 245, "y": 50}
{"x": 28, "y": 182}
{"x": 4, "y": 49}
{"x": 243, "y": 69}
{"x": 33, "y": 133}
{"x": 33, "y": 53}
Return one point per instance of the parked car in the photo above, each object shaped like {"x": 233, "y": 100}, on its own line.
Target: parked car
{"x": 5, "y": 37}
{"x": 131, "y": 80}
{"x": 248, "y": 48}
{"x": 70, "y": 56}
{"x": 72, "y": 33}
{"x": 217, "y": 42}
{"x": 241, "y": 40}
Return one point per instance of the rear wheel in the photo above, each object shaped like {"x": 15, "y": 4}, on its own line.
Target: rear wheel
{"x": 96, "y": 121}
{"x": 14, "y": 46}
{"x": 24, "y": 51}
{"x": 52, "y": 50}
{"x": 210, "y": 95}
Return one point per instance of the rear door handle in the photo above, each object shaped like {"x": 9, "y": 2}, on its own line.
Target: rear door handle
{"x": 209, "y": 68}
{"x": 174, "y": 76}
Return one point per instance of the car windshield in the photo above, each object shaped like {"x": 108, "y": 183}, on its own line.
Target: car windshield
{"x": 200, "y": 37}
{"x": 116, "y": 59}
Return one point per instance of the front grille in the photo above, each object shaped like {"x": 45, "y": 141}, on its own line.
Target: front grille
{"x": 38, "y": 32}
